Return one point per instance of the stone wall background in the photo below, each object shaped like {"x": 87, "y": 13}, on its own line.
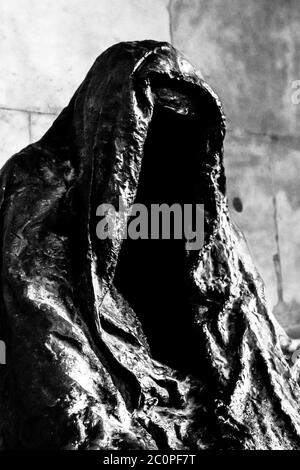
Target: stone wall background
{"x": 249, "y": 52}
{"x": 46, "y": 49}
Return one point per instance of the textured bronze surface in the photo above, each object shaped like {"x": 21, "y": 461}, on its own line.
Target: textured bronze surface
{"x": 134, "y": 344}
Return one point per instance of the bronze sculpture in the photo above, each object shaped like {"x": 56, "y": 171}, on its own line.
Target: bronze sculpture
{"x": 117, "y": 344}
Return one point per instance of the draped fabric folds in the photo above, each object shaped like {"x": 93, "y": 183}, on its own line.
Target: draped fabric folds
{"x": 121, "y": 344}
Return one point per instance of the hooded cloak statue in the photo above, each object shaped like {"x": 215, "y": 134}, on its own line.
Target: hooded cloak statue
{"x": 134, "y": 344}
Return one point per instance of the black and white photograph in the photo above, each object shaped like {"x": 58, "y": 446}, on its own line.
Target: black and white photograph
{"x": 149, "y": 229}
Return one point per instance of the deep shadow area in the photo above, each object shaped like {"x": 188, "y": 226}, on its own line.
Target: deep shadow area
{"x": 152, "y": 274}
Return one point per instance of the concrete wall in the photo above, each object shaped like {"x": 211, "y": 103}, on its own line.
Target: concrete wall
{"x": 46, "y": 49}
{"x": 248, "y": 50}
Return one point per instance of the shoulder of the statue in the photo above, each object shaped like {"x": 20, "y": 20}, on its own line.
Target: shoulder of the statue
{"x": 15, "y": 169}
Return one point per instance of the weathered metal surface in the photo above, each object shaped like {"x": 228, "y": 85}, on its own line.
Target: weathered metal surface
{"x": 112, "y": 344}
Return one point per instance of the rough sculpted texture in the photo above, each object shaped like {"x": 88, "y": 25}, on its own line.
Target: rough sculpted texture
{"x": 134, "y": 344}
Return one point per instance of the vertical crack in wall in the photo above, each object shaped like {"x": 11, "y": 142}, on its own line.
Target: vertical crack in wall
{"x": 169, "y": 9}
{"x": 276, "y": 256}
{"x": 29, "y": 113}
{"x": 29, "y": 127}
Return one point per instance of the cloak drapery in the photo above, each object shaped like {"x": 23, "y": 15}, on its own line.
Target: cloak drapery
{"x": 134, "y": 344}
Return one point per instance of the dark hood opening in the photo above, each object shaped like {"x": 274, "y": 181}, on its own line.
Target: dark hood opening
{"x": 153, "y": 274}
